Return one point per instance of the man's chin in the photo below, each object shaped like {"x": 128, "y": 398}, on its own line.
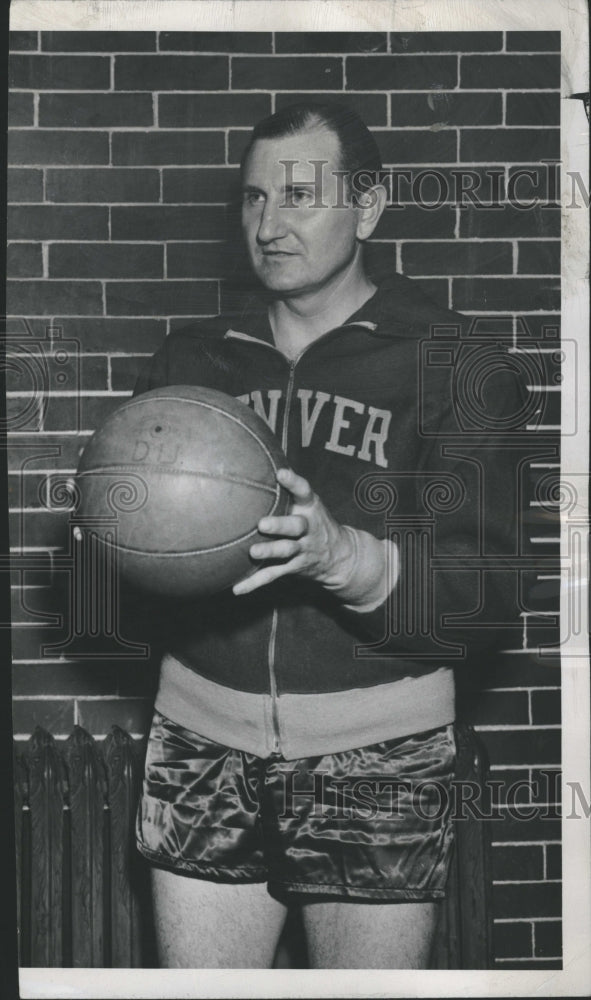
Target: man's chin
{"x": 281, "y": 283}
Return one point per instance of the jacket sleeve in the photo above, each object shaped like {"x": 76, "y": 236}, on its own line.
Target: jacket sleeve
{"x": 457, "y": 584}
{"x": 153, "y": 374}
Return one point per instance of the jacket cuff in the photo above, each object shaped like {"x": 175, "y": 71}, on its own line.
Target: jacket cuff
{"x": 374, "y": 572}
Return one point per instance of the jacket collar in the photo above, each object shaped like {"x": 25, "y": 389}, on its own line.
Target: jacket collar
{"x": 399, "y": 307}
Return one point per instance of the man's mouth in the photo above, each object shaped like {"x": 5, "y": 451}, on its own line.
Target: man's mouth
{"x": 279, "y": 253}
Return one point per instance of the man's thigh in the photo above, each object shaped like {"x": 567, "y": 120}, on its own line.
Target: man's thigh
{"x": 370, "y": 935}
{"x": 212, "y": 925}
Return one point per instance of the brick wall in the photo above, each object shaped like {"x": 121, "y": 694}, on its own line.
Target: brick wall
{"x": 123, "y": 154}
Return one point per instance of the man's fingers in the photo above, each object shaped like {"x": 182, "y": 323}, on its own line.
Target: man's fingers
{"x": 262, "y": 577}
{"x": 298, "y": 486}
{"x": 283, "y": 548}
{"x": 285, "y": 551}
{"x": 290, "y": 526}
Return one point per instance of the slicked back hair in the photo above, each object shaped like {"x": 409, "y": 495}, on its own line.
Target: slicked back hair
{"x": 359, "y": 152}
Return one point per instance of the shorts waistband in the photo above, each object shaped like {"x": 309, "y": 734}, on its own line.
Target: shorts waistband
{"x": 309, "y": 724}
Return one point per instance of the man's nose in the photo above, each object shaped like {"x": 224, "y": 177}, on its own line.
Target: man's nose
{"x": 272, "y": 225}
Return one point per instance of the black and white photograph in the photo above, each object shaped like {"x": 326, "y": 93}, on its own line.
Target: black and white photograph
{"x": 296, "y": 384}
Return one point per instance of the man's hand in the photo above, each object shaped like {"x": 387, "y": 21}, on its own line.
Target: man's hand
{"x": 308, "y": 540}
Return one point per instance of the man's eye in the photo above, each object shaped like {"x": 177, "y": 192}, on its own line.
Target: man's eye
{"x": 301, "y": 196}
{"x": 253, "y": 197}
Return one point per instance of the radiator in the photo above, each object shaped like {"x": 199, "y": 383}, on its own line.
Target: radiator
{"x": 83, "y": 891}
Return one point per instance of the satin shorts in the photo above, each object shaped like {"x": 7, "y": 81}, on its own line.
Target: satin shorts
{"x": 367, "y": 824}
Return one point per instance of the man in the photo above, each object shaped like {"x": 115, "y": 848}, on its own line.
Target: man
{"x": 269, "y": 725}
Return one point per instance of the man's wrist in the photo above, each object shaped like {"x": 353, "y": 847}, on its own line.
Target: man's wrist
{"x": 372, "y": 573}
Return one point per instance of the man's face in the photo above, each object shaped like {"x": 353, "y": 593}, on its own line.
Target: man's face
{"x": 295, "y": 243}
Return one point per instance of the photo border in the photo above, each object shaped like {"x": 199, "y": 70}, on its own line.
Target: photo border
{"x": 571, "y": 18}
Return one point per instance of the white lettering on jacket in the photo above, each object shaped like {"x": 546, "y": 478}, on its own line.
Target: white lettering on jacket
{"x": 340, "y": 423}
{"x": 309, "y": 420}
{"x": 347, "y": 428}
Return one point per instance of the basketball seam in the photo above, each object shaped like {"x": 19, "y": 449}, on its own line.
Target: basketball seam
{"x": 225, "y": 477}
{"x": 180, "y": 555}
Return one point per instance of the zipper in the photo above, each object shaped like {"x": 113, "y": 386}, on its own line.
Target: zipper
{"x": 275, "y": 621}
{"x": 288, "y": 397}
{"x": 234, "y": 334}
{"x": 273, "y": 685}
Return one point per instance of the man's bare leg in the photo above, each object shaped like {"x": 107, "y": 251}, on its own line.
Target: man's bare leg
{"x": 369, "y": 935}
{"x": 211, "y": 925}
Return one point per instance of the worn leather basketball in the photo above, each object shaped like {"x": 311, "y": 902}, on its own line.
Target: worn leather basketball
{"x": 174, "y": 484}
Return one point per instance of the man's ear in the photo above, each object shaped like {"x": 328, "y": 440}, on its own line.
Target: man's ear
{"x": 370, "y": 205}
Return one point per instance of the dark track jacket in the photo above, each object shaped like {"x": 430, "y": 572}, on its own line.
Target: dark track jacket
{"x": 400, "y": 419}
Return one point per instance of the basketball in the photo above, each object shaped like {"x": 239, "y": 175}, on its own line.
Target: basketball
{"x": 174, "y": 483}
